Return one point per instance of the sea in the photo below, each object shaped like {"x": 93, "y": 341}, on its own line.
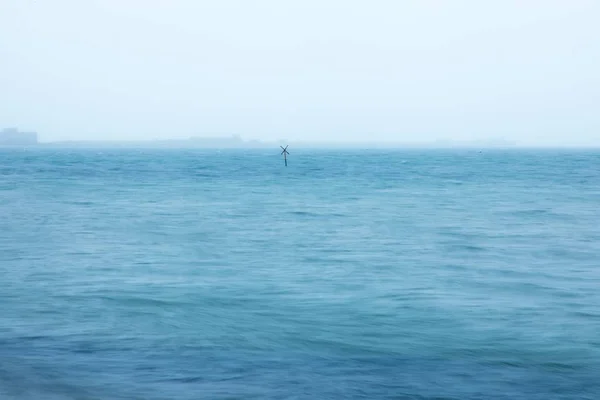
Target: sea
{"x": 168, "y": 274}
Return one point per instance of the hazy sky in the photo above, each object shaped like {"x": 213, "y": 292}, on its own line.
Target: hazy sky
{"x": 309, "y": 69}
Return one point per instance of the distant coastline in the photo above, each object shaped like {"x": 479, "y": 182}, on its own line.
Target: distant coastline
{"x": 12, "y": 137}
{"x": 200, "y": 143}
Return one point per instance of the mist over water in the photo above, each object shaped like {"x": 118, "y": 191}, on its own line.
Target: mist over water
{"x": 335, "y": 71}
{"x": 186, "y": 274}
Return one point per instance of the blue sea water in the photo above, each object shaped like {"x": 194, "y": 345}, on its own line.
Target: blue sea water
{"x": 185, "y": 274}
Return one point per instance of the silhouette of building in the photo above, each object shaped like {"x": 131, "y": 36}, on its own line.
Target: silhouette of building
{"x": 12, "y": 137}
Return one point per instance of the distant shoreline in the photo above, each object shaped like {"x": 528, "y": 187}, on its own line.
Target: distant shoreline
{"x": 238, "y": 143}
{"x": 303, "y": 146}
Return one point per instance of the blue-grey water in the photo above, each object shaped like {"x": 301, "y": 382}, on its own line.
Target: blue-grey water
{"x": 182, "y": 274}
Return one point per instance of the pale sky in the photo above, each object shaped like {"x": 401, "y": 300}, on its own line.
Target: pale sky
{"x": 392, "y": 70}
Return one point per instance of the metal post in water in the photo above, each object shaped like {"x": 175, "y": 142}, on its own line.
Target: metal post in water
{"x": 285, "y": 153}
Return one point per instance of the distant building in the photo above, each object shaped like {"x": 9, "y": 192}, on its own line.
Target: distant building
{"x": 12, "y": 137}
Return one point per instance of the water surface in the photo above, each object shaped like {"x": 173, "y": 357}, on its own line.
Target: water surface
{"x": 185, "y": 274}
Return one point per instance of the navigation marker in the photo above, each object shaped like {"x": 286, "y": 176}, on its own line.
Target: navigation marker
{"x": 285, "y": 153}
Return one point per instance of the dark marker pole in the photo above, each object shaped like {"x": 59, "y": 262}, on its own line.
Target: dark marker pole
{"x": 285, "y": 153}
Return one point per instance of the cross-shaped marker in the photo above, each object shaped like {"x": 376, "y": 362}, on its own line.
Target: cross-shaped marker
{"x": 285, "y": 153}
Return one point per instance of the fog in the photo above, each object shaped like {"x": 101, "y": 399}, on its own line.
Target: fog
{"x": 336, "y": 70}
